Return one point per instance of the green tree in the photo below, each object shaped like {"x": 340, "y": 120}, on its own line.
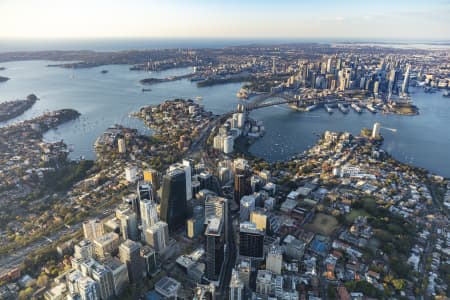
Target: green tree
{"x": 26, "y": 293}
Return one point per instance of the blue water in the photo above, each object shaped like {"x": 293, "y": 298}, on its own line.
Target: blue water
{"x": 106, "y": 99}
{"x": 114, "y": 44}
{"x": 421, "y": 140}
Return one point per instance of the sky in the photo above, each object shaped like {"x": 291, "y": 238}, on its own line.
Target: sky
{"x": 258, "y": 19}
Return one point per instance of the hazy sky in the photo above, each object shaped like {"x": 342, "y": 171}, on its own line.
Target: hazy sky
{"x": 408, "y": 19}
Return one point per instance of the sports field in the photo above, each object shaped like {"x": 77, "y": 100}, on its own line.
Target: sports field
{"x": 323, "y": 224}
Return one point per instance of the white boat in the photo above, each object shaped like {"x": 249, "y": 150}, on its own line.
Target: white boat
{"x": 311, "y": 107}
{"x": 328, "y": 109}
{"x": 371, "y": 108}
{"x": 343, "y": 108}
{"x": 446, "y": 94}
{"x": 356, "y": 108}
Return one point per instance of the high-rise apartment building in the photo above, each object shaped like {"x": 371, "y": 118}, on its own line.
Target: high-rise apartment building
{"x": 92, "y": 229}
{"x": 129, "y": 252}
{"x": 157, "y": 236}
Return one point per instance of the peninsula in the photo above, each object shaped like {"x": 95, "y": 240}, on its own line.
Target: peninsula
{"x": 12, "y": 109}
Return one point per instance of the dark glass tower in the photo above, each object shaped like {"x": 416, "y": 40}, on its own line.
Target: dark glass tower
{"x": 242, "y": 185}
{"x": 214, "y": 249}
{"x": 173, "y": 199}
{"x": 251, "y": 241}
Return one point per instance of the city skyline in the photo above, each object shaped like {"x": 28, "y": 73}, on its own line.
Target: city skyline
{"x": 286, "y": 19}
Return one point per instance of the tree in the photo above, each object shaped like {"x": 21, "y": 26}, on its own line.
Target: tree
{"x": 42, "y": 280}
{"x": 398, "y": 284}
{"x": 26, "y": 293}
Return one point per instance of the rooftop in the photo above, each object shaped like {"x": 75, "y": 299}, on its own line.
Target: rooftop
{"x": 214, "y": 226}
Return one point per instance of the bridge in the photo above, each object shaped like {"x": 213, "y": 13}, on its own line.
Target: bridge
{"x": 278, "y": 99}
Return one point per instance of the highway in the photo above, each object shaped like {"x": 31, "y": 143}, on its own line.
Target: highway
{"x": 16, "y": 258}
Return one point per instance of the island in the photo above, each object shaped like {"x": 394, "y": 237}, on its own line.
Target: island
{"x": 3, "y": 79}
{"x": 12, "y": 109}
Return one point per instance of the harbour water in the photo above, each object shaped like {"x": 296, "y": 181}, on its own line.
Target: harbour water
{"x": 107, "y": 99}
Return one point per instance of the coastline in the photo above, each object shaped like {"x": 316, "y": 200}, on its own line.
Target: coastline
{"x": 12, "y": 109}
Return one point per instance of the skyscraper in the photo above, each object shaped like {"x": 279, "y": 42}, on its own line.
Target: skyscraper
{"x": 157, "y": 236}
{"x": 214, "y": 249}
{"x": 251, "y": 241}
{"x": 242, "y": 185}
{"x": 104, "y": 278}
{"x": 129, "y": 253}
{"x": 106, "y": 245}
{"x": 247, "y": 205}
{"x": 151, "y": 176}
{"x": 188, "y": 171}
{"x": 214, "y": 207}
{"x": 119, "y": 273}
{"x": 329, "y": 62}
{"x": 128, "y": 222}
{"x": 406, "y": 81}
{"x": 144, "y": 190}
{"x": 84, "y": 249}
{"x": 121, "y": 145}
{"x": 185, "y": 165}
{"x": 92, "y": 229}
{"x": 173, "y": 200}
{"x": 274, "y": 261}
{"x": 148, "y": 255}
{"x": 195, "y": 224}
{"x": 131, "y": 174}
{"x": 88, "y": 288}
{"x": 391, "y": 82}
{"x": 376, "y": 130}
{"x": 149, "y": 213}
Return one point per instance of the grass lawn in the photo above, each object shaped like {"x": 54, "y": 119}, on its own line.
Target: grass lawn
{"x": 323, "y": 224}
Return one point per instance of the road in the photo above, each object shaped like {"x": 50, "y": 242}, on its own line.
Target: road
{"x": 198, "y": 147}
{"x": 15, "y": 259}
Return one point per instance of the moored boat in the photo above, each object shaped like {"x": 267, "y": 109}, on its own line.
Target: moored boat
{"x": 371, "y": 108}
{"x": 343, "y": 108}
{"x": 328, "y": 108}
{"x": 356, "y": 108}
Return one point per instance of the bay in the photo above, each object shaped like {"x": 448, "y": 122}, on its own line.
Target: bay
{"x": 107, "y": 99}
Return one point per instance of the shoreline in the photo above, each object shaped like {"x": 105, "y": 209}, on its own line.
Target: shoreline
{"x": 12, "y": 109}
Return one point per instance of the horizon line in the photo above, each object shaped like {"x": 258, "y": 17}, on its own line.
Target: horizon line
{"x": 284, "y": 39}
